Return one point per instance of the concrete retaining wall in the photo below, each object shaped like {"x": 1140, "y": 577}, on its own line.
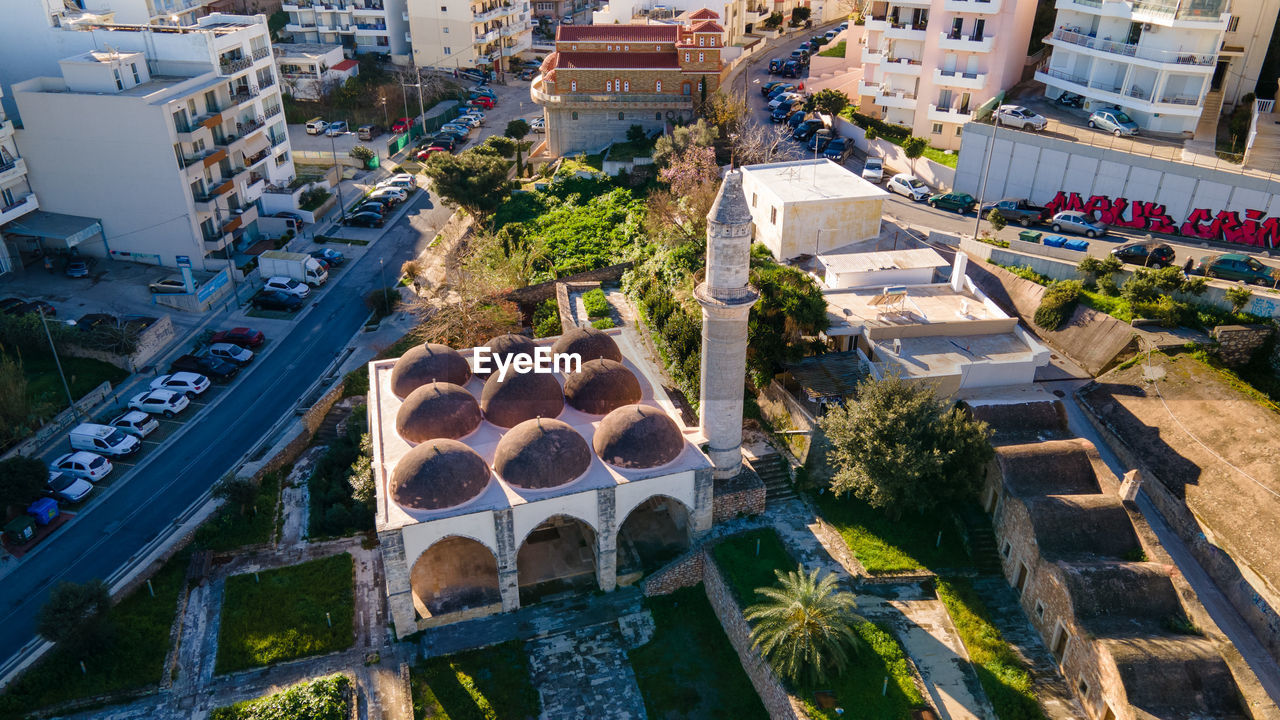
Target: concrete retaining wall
{"x": 60, "y": 422}
{"x": 150, "y": 342}
{"x": 934, "y": 174}
{"x": 543, "y": 291}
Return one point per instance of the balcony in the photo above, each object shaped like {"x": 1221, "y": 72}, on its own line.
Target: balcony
{"x": 244, "y": 94}
{"x": 488, "y": 37}
{"x": 618, "y": 101}
{"x": 518, "y": 46}
{"x": 268, "y": 113}
{"x": 955, "y": 78}
{"x": 277, "y": 140}
{"x": 950, "y": 114}
{"x": 872, "y": 57}
{"x": 20, "y": 206}
{"x": 254, "y": 187}
{"x": 489, "y": 14}
{"x": 877, "y": 24}
{"x": 901, "y": 66}
{"x": 513, "y": 29}
{"x": 191, "y": 133}
{"x": 370, "y": 28}
{"x": 965, "y": 43}
{"x": 868, "y": 88}
{"x": 983, "y": 7}
{"x": 258, "y": 157}
{"x": 896, "y": 99}
{"x": 295, "y": 5}
{"x": 6, "y": 129}
{"x": 235, "y": 65}
{"x": 1133, "y": 97}
{"x": 261, "y": 54}
{"x": 1109, "y": 49}
{"x": 405, "y": 16}
{"x": 906, "y": 31}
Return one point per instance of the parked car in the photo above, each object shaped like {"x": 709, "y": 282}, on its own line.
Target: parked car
{"x": 17, "y": 306}
{"x": 779, "y": 89}
{"x": 1147, "y": 255}
{"x": 1016, "y": 116}
{"x": 1019, "y": 210}
{"x": 1079, "y": 223}
{"x": 137, "y": 423}
{"x": 425, "y": 153}
{"x": 782, "y": 112}
{"x": 538, "y": 124}
{"x": 168, "y": 285}
{"x": 389, "y": 194}
{"x": 842, "y": 26}
{"x": 160, "y": 402}
{"x": 959, "y": 202}
{"x": 566, "y": 20}
{"x": 457, "y": 126}
{"x": 401, "y": 125}
{"x": 67, "y": 487}
{"x": 818, "y": 141}
{"x": 85, "y": 465}
{"x": 793, "y": 68}
{"x": 242, "y": 336}
{"x": 363, "y": 219}
{"x": 316, "y": 126}
{"x": 775, "y": 66}
{"x": 795, "y": 117}
{"x": 482, "y": 91}
{"x": 333, "y": 257}
{"x": 838, "y": 150}
{"x": 231, "y": 353}
{"x": 806, "y": 129}
{"x": 283, "y": 284}
{"x": 527, "y": 74}
{"x": 403, "y": 181}
{"x": 482, "y": 102}
{"x": 783, "y": 97}
{"x": 470, "y": 120}
{"x": 210, "y": 367}
{"x": 188, "y": 383}
{"x": 908, "y": 185}
{"x": 1234, "y": 266}
{"x": 448, "y": 142}
{"x": 77, "y": 268}
{"x": 1114, "y": 121}
{"x": 102, "y": 439}
{"x": 873, "y": 170}
{"x": 291, "y": 215}
{"x": 366, "y": 206}
{"x": 8, "y": 305}
{"x": 831, "y": 34}
{"x": 368, "y": 132}
{"x": 769, "y": 87}
{"x": 337, "y": 128}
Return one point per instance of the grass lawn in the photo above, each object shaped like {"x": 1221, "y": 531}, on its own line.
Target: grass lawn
{"x": 297, "y": 598}
{"x": 326, "y": 698}
{"x": 836, "y": 51}
{"x": 884, "y": 545}
{"x": 230, "y": 529}
{"x": 1003, "y": 676}
{"x": 492, "y": 682}
{"x": 745, "y": 570}
{"x": 83, "y": 375}
{"x": 133, "y": 659}
{"x": 857, "y": 690}
{"x": 689, "y": 669}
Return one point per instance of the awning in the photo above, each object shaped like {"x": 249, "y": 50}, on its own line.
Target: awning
{"x": 71, "y": 229}
{"x": 255, "y": 145}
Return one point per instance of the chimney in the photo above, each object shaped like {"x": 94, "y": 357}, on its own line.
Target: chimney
{"x": 726, "y": 301}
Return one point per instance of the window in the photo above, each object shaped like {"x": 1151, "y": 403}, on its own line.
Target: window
{"x": 1004, "y": 551}
{"x": 573, "y": 86}
{"x": 1083, "y": 687}
{"x": 626, "y": 48}
{"x": 1233, "y": 24}
{"x": 959, "y": 131}
{"x": 119, "y": 82}
{"x": 702, "y": 42}
{"x": 657, "y": 48}
{"x": 620, "y": 116}
{"x": 575, "y": 115}
{"x": 754, "y": 197}
{"x": 711, "y": 41}
{"x": 657, "y": 87}
{"x": 608, "y": 86}
{"x": 1039, "y": 609}
{"x": 687, "y": 88}
{"x": 282, "y": 158}
{"x": 773, "y": 216}
{"x": 446, "y": 29}
{"x": 937, "y": 128}
{"x": 700, "y": 57}
{"x": 626, "y": 86}
{"x": 448, "y": 51}
{"x": 686, "y": 56}
{"x": 136, "y": 78}
{"x": 657, "y": 116}
{"x": 444, "y": 8}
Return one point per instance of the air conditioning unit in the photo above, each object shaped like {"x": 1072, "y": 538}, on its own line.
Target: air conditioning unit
{"x": 1148, "y": 27}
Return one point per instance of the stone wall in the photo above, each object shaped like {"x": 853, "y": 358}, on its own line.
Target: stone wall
{"x": 1238, "y": 343}
{"x": 151, "y": 341}
{"x": 685, "y": 571}
{"x": 62, "y": 421}
{"x": 737, "y": 496}
{"x": 544, "y": 291}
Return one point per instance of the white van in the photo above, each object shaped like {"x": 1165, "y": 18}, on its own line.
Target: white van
{"x": 316, "y": 126}
{"x": 103, "y": 439}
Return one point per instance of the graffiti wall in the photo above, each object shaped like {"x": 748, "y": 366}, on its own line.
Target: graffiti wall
{"x": 1122, "y": 189}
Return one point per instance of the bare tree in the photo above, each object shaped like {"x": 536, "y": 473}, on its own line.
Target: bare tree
{"x": 756, "y": 143}
{"x": 470, "y": 307}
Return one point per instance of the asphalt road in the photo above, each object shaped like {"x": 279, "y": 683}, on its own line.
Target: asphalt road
{"x": 98, "y": 542}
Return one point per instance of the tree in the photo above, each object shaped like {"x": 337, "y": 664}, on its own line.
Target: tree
{"x": 516, "y": 130}
{"x": 913, "y": 147}
{"x": 870, "y": 132}
{"x": 475, "y": 182}
{"x": 675, "y": 143}
{"x": 498, "y": 146}
{"x": 1058, "y": 304}
{"x": 828, "y": 101}
{"x": 22, "y": 480}
{"x": 1094, "y": 269}
{"x": 899, "y": 446}
{"x": 241, "y": 492}
{"x": 806, "y": 627}
{"x": 760, "y": 143}
{"x": 76, "y": 615}
{"x": 361, "y": 153}
{"x": 790, "y": 309}
{"x": 997, "y": 220}
{"x": 799, "y": 15}
{"x": 360, "y": 476}
{"x": 19, "y": 413}
{"x": 726, "y": 113}
{"x": 679, "y": 213}
{"x": 1237, "y": 295}
{"x": 636, "y": 134}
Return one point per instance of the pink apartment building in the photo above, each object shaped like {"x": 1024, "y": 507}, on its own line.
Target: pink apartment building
{"x": 928, "y": 64}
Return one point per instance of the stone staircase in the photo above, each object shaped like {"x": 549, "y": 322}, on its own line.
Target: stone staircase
{"x": 775, "y": 472}
{"x": 328, "y": 430}
{"x": 982, "y": 539}
{"x": 1210, "y": 114}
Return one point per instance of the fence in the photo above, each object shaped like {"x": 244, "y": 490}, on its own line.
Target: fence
{"x": 60, "y": 422}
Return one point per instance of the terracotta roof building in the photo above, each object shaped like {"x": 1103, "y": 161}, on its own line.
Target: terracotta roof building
{"x": 602, "y": 79}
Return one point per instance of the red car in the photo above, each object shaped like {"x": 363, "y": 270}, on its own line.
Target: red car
{"x": 401, "y": 125}
{"x": 482, "y": 102}
{"x": 424, "y": 154}
{"x": 242, "y": 336}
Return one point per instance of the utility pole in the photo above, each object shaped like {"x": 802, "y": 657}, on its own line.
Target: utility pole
{"x": 71, "y": 402}
{"x": 982, "y": 189}
{"x": 342, "y": 206}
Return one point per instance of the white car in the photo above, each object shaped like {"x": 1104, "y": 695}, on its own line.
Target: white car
{"x": 136, "y": 423}
{"x": 908, "y": 185}
{"x": 86, "y": 465}
{"x": 289, "y": 286}
{"x": 470, "y": 121}
{"x": 1016, "y": 116}
{"x": 538, "y": 124}
{"x": 393, "y": 194}
{"x": 160, "y": 402}
{"x": 774, "y": 103}
{"x": 187, "y": 383}
{"x": 398, "y": 182}
{"x": 231, "y": 353}
{"x": 477, "y": 114}
{"x": 873, "y": 170}
{"x": 68, "y": 487}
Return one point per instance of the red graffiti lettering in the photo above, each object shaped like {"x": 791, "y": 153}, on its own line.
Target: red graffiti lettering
{"x": 1159, "y": 220}
{"x": 1256, "y": 229}
{"x": 1227, "y": 226}
{"x": 1055, "y": 205}
{"x": 1116, "y": 216}
{"x": 1268, "y": 232}
{"x": 1100, "y": 207}
{"x": 1193, "y": 227}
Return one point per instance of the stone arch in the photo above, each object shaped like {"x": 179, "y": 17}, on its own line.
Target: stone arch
{"x": 655, "y": 531}
{"x": 456, "y": 573}
{"x": 558, "y": 555}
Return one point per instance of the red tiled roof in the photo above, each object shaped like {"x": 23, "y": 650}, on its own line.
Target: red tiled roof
{"x": 708, "y": 26}
{"x": 704, "y": 14}
{"x": 613, "y": 60}
{"x": 617, "y": 33}
{"x": 345, "y": 65}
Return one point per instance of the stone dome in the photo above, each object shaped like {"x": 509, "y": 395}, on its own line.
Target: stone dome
{"x": 520, "y": 397}
{"x": 427, "y": 363}
{"x": 601, "y": 386}
{"x": 589, "y": 343}
{"x": 638, "y": 436}
{"x": 438, "y": 410}
{"x": 438, "y": 474}
{"x": 504, "y": 346}
{"x": 541, "y": 453}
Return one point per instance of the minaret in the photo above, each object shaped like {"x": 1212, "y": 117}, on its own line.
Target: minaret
{"x": 726, "y": 301}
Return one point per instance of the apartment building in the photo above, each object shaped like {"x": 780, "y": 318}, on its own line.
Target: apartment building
{"x": 16, "y": 197}
{"x": 308, "y": 70}
{"x": 1155, "y": 59}
{"x": 1244, "y": 48}
{"x": 602, "y": 79}
{"x": 485, "y": 34}
{"x": 929, "y": 64}
{"x": 380, "y": 26}
{"x": 738, "y": 17}
{"x": 168, "y": 138}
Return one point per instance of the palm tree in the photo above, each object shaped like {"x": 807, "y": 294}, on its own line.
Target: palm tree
{"x": 806, "y": 627}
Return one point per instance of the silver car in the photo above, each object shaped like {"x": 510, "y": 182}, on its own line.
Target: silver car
{"x": 1114, "y": 121}
{"x": 1079, "y": 223}
{"x": 1016, "y": 116}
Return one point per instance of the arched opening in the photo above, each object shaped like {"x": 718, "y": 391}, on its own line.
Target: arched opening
{"x": 654, "y": 533}
{"x": 455, "y": 574}
{"x": 558, "y": 557}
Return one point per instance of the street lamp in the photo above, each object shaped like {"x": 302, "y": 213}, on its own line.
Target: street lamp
{"x": 342, "y": 206}
{"x": 71, "y": 402}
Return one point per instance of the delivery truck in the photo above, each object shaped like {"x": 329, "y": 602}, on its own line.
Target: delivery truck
{"x": 299, "y": 266}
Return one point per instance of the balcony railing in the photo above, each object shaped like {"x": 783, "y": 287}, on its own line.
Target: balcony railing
{"x": 261, "y": 53}
{"x": 268, "y": 81}
{"x": 7, "y": 166}
{"x": 371, "y": 26}
{"x": 277, "y": 140}
{"x": 244, "y": 94}
{"x": 1133, "y": 51}
{"x": 1200, "y": 10}
{"x": 257, "y": 157}
{"x": 230, "y": 67}
{"x": 271, "y": 112}
{"x": 18, "y": 203}
{"x": 248, "y": 125}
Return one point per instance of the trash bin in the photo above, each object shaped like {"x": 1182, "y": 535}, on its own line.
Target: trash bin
{"x": 1077, "y": 244}
{"x": 20, "y": 530}
{"x": 1055, "y": 241}
{"x": 1030, "y": 236}
{"x": 43, "y": 511}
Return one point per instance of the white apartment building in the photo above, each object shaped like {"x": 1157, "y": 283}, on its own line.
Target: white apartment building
{"x": 1155, "y": 59}
{"x": 450, "y": 34}
{"x": 1243, "y": 50}
{"x": 168, "y": 138}
{"x": 929, "y": 64}
{"x": 16, "y": 197}
{"x": 380, "y": 26}
{"x": 307, "y": 70}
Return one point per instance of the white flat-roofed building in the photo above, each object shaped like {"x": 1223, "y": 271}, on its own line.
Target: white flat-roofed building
{"x": 808, "y": 207}
{"x": 309, "y": 70}
{"x": 362, "y": 26}
{"x": 844, "y": 268}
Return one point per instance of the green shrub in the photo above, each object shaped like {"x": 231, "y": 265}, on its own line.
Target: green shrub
{"x": 997, "y": 220}
{"x": 596, "y": 303}
{"x": 327, "y": 698}
{"x": 603, "y": 324}
{"x": 1058, "y": 303}
{"x": 1238, "y": 296}
{"x": 382, "y": 302}
{"x": 361, "y": 153}
{"x": 913, "y": 147}
{"x": 546, "y": 319}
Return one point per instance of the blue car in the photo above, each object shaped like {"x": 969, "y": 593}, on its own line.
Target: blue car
{"x": 333, "y": 257}
{"x": 838, "y": 150}
{"x": 796, "y": 118}
{"x": 77, "y": 269}
{"x": 781, "y": 112}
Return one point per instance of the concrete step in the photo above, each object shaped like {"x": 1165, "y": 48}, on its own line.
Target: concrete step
{"x": 775, "y": 473}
